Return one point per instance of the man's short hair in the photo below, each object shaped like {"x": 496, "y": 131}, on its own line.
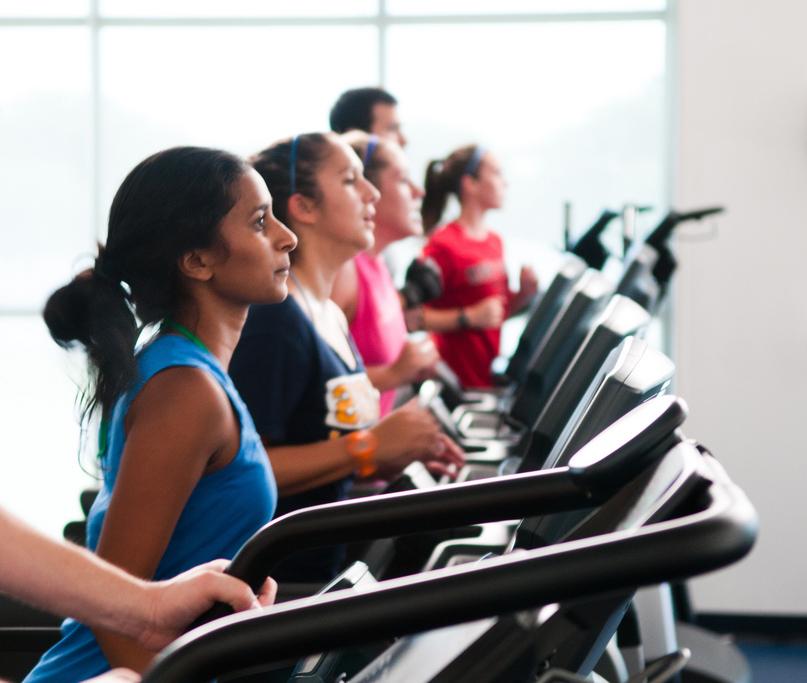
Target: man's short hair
{"x": 354, "y": 109}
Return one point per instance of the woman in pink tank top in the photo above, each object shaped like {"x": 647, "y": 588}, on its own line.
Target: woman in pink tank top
{"x": 364, "y": 288}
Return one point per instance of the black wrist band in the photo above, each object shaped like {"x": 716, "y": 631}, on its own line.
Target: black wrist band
{"x": 462, "y": 320}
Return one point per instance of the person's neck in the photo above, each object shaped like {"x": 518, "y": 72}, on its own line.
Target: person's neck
{"x": 316, "y": 275}
{"x": 472, "y": 219}
{"x": 377, "y": 248}
{"x": 216, "y": 324}
{"x": 383, "y": 236}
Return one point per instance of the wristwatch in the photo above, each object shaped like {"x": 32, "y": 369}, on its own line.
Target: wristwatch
{"x": 462, "y": 320}
{"x": 362, "y": 446}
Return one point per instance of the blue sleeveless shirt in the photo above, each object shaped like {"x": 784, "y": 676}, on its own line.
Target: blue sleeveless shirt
{"x": 225, "y": 508}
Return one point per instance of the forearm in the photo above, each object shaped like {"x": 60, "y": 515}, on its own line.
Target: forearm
{"x": 301, "y": 468}
{"x": 68, "y": 580}
{"x": 518, "y": 302}
{"x": 441, "y": 319}
{"x": 383, "y": 377}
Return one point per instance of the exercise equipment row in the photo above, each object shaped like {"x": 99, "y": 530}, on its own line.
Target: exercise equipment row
{"x": 648, "y": 506}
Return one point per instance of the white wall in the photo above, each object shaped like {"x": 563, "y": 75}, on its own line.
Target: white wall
{"x": 741, "y": 309}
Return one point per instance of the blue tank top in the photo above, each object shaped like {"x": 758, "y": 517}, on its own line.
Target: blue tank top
{"x": 225, "y": 508}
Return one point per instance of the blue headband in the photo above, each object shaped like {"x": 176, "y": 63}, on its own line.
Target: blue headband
{"x": 372, "y": 143}
{"x": 293, "y": 165}
{"x": 473, "y": 163}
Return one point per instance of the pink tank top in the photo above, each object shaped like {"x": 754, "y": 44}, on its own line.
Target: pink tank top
{"x": 378, "y": 327}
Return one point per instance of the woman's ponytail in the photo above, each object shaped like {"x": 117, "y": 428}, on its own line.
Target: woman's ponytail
{"x": 435, "y": 197}
{"x": 444, "y": 178}
{"x": 93, "y": 310}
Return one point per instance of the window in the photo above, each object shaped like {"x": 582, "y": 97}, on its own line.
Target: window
{"x": 44, "y": 8}
{"x": 486, "y": 7}
{"x": 565, "y": 126}
{"x": 235, "y": 8}
{"x": 46, "y": 163}
{"x": 40, "y": 473}
{"x": 571, "y": 94}
{"x": 239, "y": 88}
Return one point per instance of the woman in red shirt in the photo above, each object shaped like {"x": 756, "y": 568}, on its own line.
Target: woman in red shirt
{"x": 467, "y": 318}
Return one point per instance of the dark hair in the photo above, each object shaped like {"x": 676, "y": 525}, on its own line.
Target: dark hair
{"x": 443, "y": 178}
{"x": 354, "y": 109}
{"x": 274, "y": 166}
{"x": 169, "y": 204}
{"x": 360, "y": 141}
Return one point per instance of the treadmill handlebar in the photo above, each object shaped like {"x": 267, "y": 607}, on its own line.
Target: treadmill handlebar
{"x": 662, "y": 232}
{"x": 719, "y": 533}
{"x": 396, "y": 514}
{"x": 699, "y": 214}
{"x": 615, "y": 455}
{"x": 602, "y": 222}
{"x": 588, "y": 246}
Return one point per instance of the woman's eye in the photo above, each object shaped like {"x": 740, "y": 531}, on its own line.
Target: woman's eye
{"x": 261, "y": 222}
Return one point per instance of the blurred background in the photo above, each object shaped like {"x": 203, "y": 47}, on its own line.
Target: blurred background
{"x": 595, "y": 102}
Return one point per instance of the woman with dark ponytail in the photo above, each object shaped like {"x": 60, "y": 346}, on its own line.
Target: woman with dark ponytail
{"x": 191, "y": 243}
{"x": 467, "y": 317}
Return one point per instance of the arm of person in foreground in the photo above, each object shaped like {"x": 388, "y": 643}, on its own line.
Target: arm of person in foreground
{"x": 69, "y": 580}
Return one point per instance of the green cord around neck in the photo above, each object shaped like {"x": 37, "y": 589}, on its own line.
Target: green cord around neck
{"x": 169, "y": 324}
{"x": 103, "y": 438}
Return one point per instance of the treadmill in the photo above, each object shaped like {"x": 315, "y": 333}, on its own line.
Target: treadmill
{"x": 538, "y": 323}
{"x": 589, "y": 247}
{"x": 633, "y": 374}
{"x": 587, "y": 298}
{"x": 624, "y": 379}
{"x": 571, "y": 270}
{"x": 670, "y": 516}
{"x": 635, "y": 440}
{"x": 620, "y": 319}
{"x": 650, "y": 264}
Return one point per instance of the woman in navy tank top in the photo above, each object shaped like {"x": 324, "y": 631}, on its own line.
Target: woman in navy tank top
{"x": 191, "y": 243}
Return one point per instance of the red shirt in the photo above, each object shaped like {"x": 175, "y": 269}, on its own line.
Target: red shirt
{"x": 472, "y": 270}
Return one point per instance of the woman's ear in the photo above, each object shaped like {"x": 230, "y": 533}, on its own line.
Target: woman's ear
{"x": 468, "y": 185}
{"x": 302, "y": 209}
{"x": 196, "y": 265}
